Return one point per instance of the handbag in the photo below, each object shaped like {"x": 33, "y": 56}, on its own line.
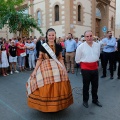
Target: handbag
{"x": 23, "y": 54}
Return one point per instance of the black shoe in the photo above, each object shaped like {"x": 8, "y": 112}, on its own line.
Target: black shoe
{"x": 103, "y": 76}
{"x": 85, "y": 104}
{"x": 97, "y": 103}
{"x": 111, "y": 77}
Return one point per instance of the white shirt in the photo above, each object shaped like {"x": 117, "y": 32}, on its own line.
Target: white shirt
{"x": 86, "y": 53}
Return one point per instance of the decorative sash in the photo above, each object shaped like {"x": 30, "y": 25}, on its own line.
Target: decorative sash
{"x": 39, "y": 81}
{"x": 52, "y": 54}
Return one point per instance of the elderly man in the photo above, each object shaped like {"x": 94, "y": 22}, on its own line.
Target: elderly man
{"x": 70, "y": 46}
{"x": 87, "y": 54}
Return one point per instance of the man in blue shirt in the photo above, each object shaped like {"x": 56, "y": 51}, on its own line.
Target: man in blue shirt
{"x": 70, "y": 46}
{"x": 108, "y": 53}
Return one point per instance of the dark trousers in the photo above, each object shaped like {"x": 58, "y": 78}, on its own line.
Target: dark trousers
{"x": 118, "y": 69}
{"x": 115, "y": 60}
{"x": 118, "y": 65}
{"x": 101, "y": 58}
{"x": 108, "y": 57}
{"x": 90, "y": 76}
{"x": 26, "y": 61}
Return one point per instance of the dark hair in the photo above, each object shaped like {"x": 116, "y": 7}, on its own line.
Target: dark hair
{"x": 70, "y": 34}
{"x": 28, "y": 38}
{"x": 76, "y": 38}
{"x": 82, "y": 35}
{"x": 108, "y": 31}
{"x": 2, "y": 46}
{"x": 19, "y": 39}
{"x": 50, "y": 30}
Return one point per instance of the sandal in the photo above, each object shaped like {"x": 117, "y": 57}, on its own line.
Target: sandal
{"x": 4, "y": 75}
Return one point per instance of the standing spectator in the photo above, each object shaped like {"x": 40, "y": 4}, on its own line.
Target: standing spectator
{"x": 12, "y": 51}
{"x": 70, "y": 46}
{"x": 108, "y": 53}
{"x": 0, "y": 43}
{"x": 77, "y": 41}
{"x": 101, "y": 52}
{"x": 82, "y": 40}
{"x": 40, "y": 41}
{"x": 62, "y": 43}
{"x": 7, "y": 43}
{"x": 16, "y": 40}
{"x": 0, "y": 59}
{"x": 4, "y": 60}
{"x": 35, "y": 52}
{"x": 30, "y": 51}
{"x": 21, "y": 53}
{"x": 118, "y": 49}
{"x": 115, "y": 57}
{"x": 87, "y": 54}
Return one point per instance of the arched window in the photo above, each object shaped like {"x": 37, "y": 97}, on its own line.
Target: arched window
{"x": 39, "y": 18}
{"x": 56, "y": 12}
{"x": 79, "y": 13}
{"x": 112, "y": 23}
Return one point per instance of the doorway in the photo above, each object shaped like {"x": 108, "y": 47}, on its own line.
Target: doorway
{"x": 97, "y": 29}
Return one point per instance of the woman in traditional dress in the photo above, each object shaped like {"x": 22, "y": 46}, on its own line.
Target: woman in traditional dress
{"x": 49, "y": 88}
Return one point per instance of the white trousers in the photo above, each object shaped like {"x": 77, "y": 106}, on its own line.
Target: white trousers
{"x": 31, "y": 60}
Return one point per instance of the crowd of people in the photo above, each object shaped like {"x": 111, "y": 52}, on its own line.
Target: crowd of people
{"x": 52, "y": 61}
{"x": 24, "y": 52}
{"x": 20, "y": 54}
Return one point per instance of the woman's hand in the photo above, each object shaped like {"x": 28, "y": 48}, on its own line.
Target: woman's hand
{"x": 64, "y": 71}
{"x": 33, "y": 75}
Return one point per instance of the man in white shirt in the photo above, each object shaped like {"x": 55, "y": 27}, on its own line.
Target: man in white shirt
{"x": 87, "y": 54}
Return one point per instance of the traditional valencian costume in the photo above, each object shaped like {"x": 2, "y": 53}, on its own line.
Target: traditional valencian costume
{"x": 50, "y": 90}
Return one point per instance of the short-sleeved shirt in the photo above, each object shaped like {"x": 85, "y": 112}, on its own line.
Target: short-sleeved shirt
{"x": 58, "y": 49}
{"x": 19, "y": 51}
{"x": 12, "y": 50}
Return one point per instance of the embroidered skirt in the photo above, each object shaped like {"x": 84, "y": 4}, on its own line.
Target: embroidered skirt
{"x": 50, "y": 91}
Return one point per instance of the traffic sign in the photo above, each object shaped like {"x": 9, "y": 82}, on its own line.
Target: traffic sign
{"x": 104, "y": 29}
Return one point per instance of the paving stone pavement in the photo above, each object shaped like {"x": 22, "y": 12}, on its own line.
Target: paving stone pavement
{"x": 13, "y": 104}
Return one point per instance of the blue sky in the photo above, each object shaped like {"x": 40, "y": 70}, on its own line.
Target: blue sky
{"x": 117, "y": 11}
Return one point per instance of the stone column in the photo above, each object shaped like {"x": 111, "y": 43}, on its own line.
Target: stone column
{"x": 67, "y": 16}
{"x": 93, "y": 16}
{"x": 47, "y": 13}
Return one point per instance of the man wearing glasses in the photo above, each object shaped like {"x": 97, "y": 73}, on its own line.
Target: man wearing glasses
{"x": 87, "y": 54}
